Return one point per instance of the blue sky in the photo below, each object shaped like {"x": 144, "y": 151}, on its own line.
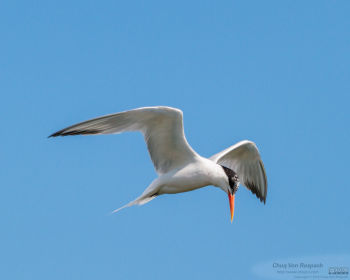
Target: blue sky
{"x": 275, "y": 72}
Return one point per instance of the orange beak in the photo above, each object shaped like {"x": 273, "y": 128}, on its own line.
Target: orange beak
{"x": 231, "y": 199}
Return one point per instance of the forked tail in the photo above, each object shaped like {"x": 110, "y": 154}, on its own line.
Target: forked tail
{"x": 138, "y": 201}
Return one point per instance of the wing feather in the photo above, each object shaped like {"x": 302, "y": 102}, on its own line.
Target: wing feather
{"x": 162, "y": 128}
{"x": 245, "y": 160}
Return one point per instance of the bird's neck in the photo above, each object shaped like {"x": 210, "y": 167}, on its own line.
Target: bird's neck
{"x": 217, "y": 175}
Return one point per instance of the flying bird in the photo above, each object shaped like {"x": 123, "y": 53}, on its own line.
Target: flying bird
{"x": 179, "y": 167}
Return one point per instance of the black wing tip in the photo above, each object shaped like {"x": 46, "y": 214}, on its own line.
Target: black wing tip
{"x": 262, "y": 199}
{"x": 54, "y": 135}
{"x": 74, "y": 132}
{"x": 255, "y": 190}
{"x": 58, "y": 133}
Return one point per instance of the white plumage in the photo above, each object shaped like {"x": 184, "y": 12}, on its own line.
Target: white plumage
{"x": 179, "y": 167}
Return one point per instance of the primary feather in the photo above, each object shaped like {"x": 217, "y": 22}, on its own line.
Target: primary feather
{"x": 162, "y": 128}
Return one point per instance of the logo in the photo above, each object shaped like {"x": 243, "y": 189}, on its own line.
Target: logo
{"x": 338, "y": 270}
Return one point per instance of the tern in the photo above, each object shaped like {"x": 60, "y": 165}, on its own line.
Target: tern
{"x": 179, "y": 167}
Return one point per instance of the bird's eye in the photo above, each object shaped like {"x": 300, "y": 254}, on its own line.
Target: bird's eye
{"x": 235, "y": 177}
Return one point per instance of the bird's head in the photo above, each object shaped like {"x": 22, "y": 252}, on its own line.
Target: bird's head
{"x": 231, "y": 187}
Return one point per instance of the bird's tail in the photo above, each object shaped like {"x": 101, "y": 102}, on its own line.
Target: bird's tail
{"x": 138, "y": 201}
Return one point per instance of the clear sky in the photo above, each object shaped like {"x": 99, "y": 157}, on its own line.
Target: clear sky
{"x": 275, "y": 72}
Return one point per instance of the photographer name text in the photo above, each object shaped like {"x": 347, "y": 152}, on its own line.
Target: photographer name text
{"x": 297, "y": 265}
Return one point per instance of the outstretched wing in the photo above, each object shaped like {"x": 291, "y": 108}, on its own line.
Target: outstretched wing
{"x": 244, "y": 159}
{"x": 162, "y": 128}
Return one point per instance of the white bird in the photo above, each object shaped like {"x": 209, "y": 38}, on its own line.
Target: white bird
{"x": 179, "y": 167}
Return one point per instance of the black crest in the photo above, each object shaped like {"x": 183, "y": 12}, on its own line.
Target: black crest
{"x": 232, "y": 178}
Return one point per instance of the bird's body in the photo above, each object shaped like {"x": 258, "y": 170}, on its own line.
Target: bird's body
{"x": 179, "y": 167}
{"x": 194, "y": 175}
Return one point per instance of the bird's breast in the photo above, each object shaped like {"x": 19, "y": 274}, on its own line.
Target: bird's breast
{"x": 185, "y": 179}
